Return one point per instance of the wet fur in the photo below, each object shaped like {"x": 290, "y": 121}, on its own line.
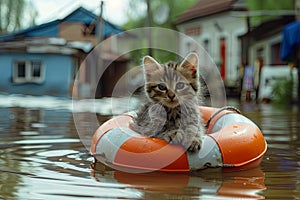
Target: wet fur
{"x": 172, "y": 112}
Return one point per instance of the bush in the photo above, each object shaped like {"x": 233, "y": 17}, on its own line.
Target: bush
{"x": 282, "y": 91}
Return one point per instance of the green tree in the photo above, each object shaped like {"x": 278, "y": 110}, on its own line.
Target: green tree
{"x": 16, "y": 14}
{"x": 162, "y": 13}
{"x": 137, "y": 14}
{"x": 263, "y": 10}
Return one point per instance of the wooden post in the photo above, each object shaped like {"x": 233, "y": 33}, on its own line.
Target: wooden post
{"x": 149, "y": 24}
{"x": 99, "y": 67}
{"x": 100, "y": 24}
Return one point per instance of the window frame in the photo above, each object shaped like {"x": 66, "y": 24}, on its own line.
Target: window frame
{"x": 29, "y": 76}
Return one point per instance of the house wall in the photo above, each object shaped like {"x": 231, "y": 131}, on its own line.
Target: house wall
{"x": 58, "y": 74}
{"x": 73, "y": 31}
{"x": 262, "y": 49}
{"x": 260, "y": 56}
{"x": 212, "y": 29}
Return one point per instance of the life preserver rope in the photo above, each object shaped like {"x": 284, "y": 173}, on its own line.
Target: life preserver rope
{"x": 230, "y": 108}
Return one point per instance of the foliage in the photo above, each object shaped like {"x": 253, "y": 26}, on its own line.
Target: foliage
{"x": 283, "y": 91}
{"x": 137, "y": 15}
{"x": 267, "y": 5}
{"x": 160, "y": 55}
{"x": 15, "y": 14}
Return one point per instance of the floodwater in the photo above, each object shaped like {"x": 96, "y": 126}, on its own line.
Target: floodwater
{"x": 42, "y": 157}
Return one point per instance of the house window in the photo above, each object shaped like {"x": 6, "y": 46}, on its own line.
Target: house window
{"x": 21, "y": 70}
{"x": 275, "y": 54}
{"x": 260, "y": 53}
{"x": 28, "y": 72}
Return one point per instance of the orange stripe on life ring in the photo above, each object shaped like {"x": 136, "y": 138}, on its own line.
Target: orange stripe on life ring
{"x": 240, "y": 144}
{"x": 147, "y": 153}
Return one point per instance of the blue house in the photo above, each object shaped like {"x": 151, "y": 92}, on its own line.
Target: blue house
{"x": 44, "y": 59}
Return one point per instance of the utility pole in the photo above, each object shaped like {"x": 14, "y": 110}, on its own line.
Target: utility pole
{"x": 99, "y": 67}
{"x": 100, "y": 24}
{"x": 149, "y": 24}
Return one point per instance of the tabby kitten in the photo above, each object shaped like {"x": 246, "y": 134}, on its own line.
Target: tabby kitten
{"x": 172, "y": 112}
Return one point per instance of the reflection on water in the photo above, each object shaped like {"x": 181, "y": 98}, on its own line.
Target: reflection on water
{"x": 211, "y": 183}
{"x": 281, "y": 128}
{"x": 42, "y": 157}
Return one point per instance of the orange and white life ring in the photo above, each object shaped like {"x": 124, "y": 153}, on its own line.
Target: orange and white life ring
{"x": 232, "y": 140}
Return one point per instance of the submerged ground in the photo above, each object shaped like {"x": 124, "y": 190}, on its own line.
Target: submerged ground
{"x": 43, "y": 157}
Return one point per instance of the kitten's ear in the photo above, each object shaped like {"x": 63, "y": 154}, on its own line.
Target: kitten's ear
{"x": 190, "y": 63}
{"x": 150, "y": 65}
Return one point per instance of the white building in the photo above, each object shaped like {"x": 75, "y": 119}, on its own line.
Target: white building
{"x": 261, "y": 47}
{"x": 216, "y": 27}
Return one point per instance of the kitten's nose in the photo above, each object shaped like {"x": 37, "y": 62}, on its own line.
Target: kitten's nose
{"x": 171, "y": 95}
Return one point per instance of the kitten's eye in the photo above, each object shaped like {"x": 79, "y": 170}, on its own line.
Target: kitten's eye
{"x": 179, "y": 85}
{"x": 162, "y": 86}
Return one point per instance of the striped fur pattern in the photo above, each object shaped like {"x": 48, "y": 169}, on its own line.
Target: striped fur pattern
{"x": 172, "y": 112}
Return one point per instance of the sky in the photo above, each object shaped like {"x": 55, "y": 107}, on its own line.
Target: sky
{"x": 114, "y": 10}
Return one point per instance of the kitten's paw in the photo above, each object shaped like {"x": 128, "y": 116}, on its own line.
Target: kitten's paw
{"x": 177, "y": 137}
{"x": 196, "y": 145}
{"x": 168, "y": 136}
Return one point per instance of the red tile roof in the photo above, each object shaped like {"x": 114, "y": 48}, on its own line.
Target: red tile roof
{"x": 204, "y": 8}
